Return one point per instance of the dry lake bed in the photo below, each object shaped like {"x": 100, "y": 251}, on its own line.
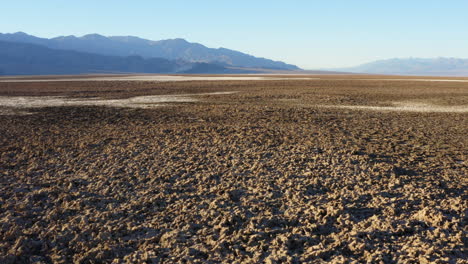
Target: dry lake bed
{"x": 227, "y": 169}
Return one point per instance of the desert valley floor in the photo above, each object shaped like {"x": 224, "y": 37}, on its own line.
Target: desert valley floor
{"x": 258, "y": 169}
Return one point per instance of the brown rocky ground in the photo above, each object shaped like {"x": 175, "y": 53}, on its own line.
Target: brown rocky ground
{"x": 262, "y": 175}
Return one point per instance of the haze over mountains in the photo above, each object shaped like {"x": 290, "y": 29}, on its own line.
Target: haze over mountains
{"x": 185, "y": 56}
{"x": 414, "y": 66}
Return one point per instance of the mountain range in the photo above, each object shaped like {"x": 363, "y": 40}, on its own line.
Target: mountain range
{"x": 185, "y": 56}
{"x": 23, "y": 54}
{"x": 30, "y": 59}
{"x": 414, "y": 66}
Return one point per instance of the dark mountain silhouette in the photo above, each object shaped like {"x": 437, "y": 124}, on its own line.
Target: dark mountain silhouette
{"x": 415, "y": 66}
{"x": 31, "y": 59}
{"x": 171, "y": 49}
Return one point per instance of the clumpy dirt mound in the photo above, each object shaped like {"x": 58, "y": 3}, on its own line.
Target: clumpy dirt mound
{"x": 244, "y": 178}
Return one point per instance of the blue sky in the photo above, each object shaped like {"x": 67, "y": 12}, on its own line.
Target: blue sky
{"x": 311, "y": 34}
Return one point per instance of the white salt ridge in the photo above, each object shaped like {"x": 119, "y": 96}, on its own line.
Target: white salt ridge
{"x": 9, "y": 103}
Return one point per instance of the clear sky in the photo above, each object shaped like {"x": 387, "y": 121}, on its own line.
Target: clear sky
{"x": 311, "y": 34}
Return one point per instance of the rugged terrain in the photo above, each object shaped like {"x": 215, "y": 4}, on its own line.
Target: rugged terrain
{"x": 276, "y": 172}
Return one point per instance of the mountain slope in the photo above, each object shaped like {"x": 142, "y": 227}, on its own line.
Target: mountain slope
{"x": 31, "y": 59}
{"x": 172, "y": 49}
{"x": 415, "y": 66}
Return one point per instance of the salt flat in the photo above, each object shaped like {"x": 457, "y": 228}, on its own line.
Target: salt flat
{"x": 261, "y": 175}
{"x": 156, "y": 78}
{"x": 178, "y": 78}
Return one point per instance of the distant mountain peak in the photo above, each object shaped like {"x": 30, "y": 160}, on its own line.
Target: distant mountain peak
{"x": 20, "y": 33}
{"x": 179, "y": 40}
{"x": 186, "y": 41}
{"x": 174, "y": 40}
{"x": 65, "y": 37}
{"x": 127, "y": 38}
{"x": 93, "y": 36}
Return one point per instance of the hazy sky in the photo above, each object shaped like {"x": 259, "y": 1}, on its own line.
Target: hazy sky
{"x": 310, "y": 34}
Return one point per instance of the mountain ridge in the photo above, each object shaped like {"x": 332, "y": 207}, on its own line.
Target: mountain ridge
{"x": 19, "y": 58}
{"x": 171, "y": 49}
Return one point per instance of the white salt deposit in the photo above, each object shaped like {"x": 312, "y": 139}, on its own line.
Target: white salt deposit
{"x": 177, "y": 78}
{"x": 406, "y": 106}
{"x": 10, "y": 104}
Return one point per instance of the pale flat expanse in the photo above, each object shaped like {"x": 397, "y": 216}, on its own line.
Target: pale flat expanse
{"x": 175, "y": 78}
{"x": 415, "y": 80}
{"x": 156, "y": 78}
